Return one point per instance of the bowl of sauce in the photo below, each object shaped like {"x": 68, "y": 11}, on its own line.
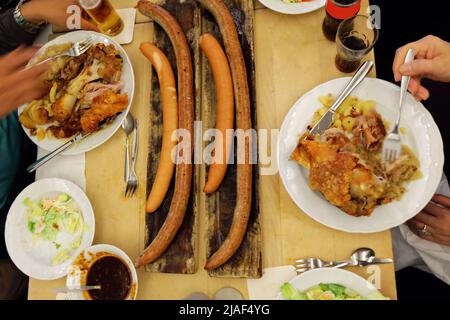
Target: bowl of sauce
{"x": 105, "y": 266}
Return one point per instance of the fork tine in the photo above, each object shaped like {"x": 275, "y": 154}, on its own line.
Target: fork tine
{"x": 395, "y": 155}
{"x": 300, "y": 261}
{"x": 300, "y": 266}
{"x": 301, "y": 270}
{"x": 129, "y": 189}
{"x": 87, "y": 40}
{"x": 86, "y": 46}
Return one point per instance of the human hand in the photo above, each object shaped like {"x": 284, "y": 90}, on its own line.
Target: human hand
{"x": 18, "y": 86}
{"x": 432, "y": 61}
{"x": 436, "y": 217}
{"x": 53, "y": 12}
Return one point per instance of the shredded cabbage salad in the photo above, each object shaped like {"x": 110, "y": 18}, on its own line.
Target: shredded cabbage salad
{"x": 55, "y": 220}
{"x": 327, "y": 291}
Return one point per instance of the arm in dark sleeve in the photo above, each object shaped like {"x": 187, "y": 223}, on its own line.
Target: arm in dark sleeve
{"x": 11, "y": 34}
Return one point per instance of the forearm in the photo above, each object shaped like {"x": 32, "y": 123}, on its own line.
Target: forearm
{"x": 11, "y": 34}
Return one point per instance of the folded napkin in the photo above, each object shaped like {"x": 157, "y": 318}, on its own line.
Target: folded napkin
{"x": 65, "y": 167}
{"x": 267, "y": 287}
{"x": 411, "y": 250}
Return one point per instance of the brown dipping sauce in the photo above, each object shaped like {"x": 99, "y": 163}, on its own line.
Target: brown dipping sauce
{"x": 114, "y": 277}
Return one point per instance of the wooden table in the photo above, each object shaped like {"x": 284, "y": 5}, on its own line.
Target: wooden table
{"x": 292, "y": 56}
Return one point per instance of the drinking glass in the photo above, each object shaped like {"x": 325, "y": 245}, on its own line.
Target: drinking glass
{"x": 104, "y": 15}
{"x": 355, "y": 38}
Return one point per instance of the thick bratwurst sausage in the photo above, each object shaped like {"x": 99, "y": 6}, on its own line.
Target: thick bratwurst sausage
{"x": 243, "y": 121}
{"x": 183, "y": 176}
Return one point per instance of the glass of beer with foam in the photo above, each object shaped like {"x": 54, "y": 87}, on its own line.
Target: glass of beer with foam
{"x": 104, "y": 15}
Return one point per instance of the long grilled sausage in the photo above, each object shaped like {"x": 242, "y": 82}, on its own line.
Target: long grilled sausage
{"x": 183, "y": 176}
{"x": 224, "y": 108}
{"x": 243, "y": 121}
{"x": 166, "y": 167}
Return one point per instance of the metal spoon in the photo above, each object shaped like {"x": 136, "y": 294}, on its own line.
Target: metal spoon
{"x": 77, "y": 289}
{"x": 362, "y": 257}
{"x": 128, "y": 127}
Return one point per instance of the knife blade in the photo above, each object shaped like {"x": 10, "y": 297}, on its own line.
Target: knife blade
{"x": 327, "y": 119}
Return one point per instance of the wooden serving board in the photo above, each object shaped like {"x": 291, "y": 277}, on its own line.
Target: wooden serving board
{"x": 181, "y": 256}
{"x": 219, "y": 207}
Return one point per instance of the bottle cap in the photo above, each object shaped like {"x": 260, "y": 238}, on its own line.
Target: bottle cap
{"x": 342, "y": 11}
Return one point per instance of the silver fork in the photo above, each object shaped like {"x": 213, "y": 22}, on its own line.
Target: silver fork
{"x": 392, "y": 144}
{"x": 303, "y": 265}
{"x": 76, "y": 50}
{"x": 132, "y": 182}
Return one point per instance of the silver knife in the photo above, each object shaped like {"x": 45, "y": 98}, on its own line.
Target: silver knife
{"x": 327, "y": 119}
{"x": 38, "y": 163}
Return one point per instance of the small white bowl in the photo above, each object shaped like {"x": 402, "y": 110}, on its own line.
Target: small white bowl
{"x": 78, "y": 271}
{"x": 345, "y": 278}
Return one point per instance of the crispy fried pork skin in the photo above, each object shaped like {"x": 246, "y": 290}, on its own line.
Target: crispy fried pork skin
{"x": 105, "y": 105}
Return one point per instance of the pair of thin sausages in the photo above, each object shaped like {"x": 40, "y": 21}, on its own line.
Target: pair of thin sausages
{"x": 224, "y": 103}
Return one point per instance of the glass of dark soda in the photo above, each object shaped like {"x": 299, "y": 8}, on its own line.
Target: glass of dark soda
{"x": 355, "y": 38}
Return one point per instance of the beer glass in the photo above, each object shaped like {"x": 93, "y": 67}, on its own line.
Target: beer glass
{"x": 355, "y": 38}
{"x": 104, "y": 15}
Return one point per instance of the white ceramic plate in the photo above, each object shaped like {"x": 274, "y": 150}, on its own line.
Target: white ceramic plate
{"x": 74, "y": 276}
{"x": 345, "y": 278}
{"x": 422, "y": 136}
{"x": 293, "y": 8}
{"x": 103, "y": 135}
{"x": 35, "y": 259}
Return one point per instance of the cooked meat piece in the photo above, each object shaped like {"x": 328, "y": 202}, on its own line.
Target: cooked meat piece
{"x": 330, "y": 171}
{"x": 104, "y": 105}
{"x": 63, "y": 107}
{"x": 93, "y": 89}
{"x": 340, "y": 177}
{"x": 404, "y": 168}
{"x": 336, "y": 137}
{"x": 370, "y": 132}
{"x": 366, "y": 188}
{"x": 67, "y": 128}
{"x": 112, "y": 61}
{"x": 73, "y": 67}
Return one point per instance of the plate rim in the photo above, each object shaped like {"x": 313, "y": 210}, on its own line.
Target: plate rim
{"x": 127, "y": 60}
{"x": 267, "y": 4}
{"x": 434, "y": 127}
{"x": 90, "y": 234}
{"x": 345, "y": 273}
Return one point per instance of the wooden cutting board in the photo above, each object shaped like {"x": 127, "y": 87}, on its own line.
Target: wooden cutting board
{"x": 219, "y": 207}
{"x": 181, "y": 255}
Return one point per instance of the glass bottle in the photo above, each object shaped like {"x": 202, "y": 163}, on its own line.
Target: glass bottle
{"x": 336, "y": 12}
